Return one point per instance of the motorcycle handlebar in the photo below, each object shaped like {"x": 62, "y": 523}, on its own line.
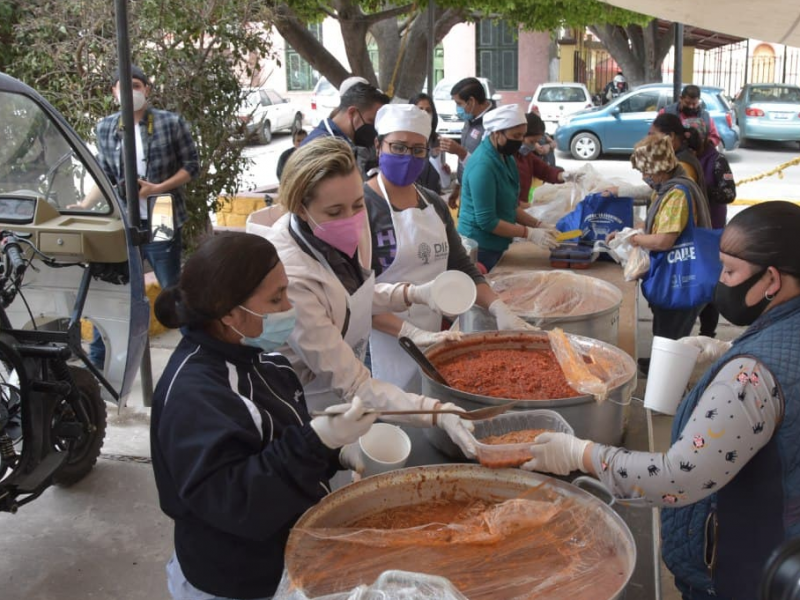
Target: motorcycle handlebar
{"x": 15, "y": 257}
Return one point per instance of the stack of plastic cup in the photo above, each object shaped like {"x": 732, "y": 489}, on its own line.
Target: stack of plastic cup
{"x": 671, "y": 365}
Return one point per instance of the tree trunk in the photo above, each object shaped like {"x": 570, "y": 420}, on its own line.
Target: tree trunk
{"x": 639, "y": 51}
{"x": 354, "y": 26}
{"x": 297, "y": 35}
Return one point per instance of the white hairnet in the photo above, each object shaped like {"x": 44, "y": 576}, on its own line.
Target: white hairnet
{"x": 504, "y": 117}
{"x": 402, "y": 117}
{"x": 350, "y": 82}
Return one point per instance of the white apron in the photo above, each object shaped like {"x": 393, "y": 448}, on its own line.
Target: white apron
{"x": 318, "y": 392}
{"x": 422, "y": 253}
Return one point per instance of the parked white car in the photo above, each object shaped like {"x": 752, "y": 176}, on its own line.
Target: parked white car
{"x": 264, "y": 111}
{"x": 324, "y": 99}
{"x": 557, "y": 100}
{"x": 449, "y": 123}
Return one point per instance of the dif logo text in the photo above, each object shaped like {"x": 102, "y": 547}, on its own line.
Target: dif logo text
{"x": 439, "y": 251}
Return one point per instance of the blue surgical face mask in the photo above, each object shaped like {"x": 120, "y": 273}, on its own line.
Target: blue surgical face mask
{"x": 526, "y": 149}
{"x": 649, "y": 181}
{"x": 275, "y": 329}
{"x": 463, "y": 114}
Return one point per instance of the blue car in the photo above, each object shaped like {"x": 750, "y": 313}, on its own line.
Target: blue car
{"x": 768, "y": 111}
{"x": 617, "y": 126}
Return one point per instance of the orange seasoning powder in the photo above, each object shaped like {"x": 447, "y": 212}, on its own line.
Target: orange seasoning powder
{"x": 520, "y": 374}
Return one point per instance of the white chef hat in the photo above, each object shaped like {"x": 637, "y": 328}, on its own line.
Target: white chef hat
{"x": 504, "y": 117}
{"x": 402, "y": 117}
{"x": 350, "y": 82}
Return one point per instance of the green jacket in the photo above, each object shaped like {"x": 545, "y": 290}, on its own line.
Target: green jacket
{"x": 488, "y": 194}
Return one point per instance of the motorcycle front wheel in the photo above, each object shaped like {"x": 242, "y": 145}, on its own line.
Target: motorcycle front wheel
{"x": 83, "y": 452}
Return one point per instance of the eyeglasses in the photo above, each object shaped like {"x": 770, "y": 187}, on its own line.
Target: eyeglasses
{"x": 416, "y": 151}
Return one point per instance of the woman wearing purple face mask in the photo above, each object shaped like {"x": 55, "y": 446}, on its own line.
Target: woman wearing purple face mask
{"x": 403, "y": 219}
{"x": 325, "y": 249}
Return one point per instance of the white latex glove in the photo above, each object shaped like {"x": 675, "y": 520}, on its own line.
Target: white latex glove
{"x": 350, "y": 457}
{"x": 422, "y": 294}
{"x": 507, "y": 320}
{"x": 541, "y": 237}
{"x": 557, "y": 453}
{"x": 425, "y": 338}
{"x": 457, "y": 428}
{"x": 575, "y": 176}
{"x": 710, "y": 349}
{"x": 341, "y": 429}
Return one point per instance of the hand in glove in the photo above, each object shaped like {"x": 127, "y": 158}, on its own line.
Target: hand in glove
{"x": 574, "y": 176}
{"x": 341, "y": 429}
{"x": 425, "y": 338}
{"x": 422, "y": 294}
{"x": 350, "y": 457}
{"x": 506, "y": 319}
{"x": 541, "y": 237}
{"x": 710, "y": 349}
{"x": 457, "y": 428}
{"x": 557, "y": 453}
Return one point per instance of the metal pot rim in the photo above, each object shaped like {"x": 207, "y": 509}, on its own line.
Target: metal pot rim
{"x": 450, "y": 473}
{"x": 538, "y": 337}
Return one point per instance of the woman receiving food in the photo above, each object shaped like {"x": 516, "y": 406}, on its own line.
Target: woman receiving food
{"x": 489, "y": 213}
{"x": 676, "y": 198}
{"x": 403, "y": 218}
{"x": 236, "y": 457}
{"x": 332, "y": 291}
{"x": 731, "y": 479}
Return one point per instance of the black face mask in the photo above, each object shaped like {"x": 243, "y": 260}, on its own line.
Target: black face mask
{"x": 690, "y": 112}
{"x": 510, "y": 148}
{"x": 731, "y": 303}
{"x": 365, "y": 134}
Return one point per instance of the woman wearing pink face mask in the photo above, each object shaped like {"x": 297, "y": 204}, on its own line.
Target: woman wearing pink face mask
{"x": 324, "y": 248}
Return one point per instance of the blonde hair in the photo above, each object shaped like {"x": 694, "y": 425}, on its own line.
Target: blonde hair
{"x": 311, "y": 164}
{"x": 654, "y": 154}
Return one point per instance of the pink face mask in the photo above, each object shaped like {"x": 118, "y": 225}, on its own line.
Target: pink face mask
{"x": 342, "y": 234}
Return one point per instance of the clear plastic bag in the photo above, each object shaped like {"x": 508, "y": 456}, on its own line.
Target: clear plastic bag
{"x": 537, "y": 296}
{"x": 540, "y": 545}
{"x": 635, "y": 260}
{"x": 390, "y": 585}
{"x": 586, "y": 368}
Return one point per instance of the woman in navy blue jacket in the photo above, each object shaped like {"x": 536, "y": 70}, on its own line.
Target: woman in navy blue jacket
{"x": 236, "y": 456}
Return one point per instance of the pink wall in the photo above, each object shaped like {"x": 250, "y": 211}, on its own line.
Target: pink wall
{"x": 532, "y": 67}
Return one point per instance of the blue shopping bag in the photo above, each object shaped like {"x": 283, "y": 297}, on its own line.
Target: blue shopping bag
{"x": 686, "y": 275}
{"x": 597, "y": 215}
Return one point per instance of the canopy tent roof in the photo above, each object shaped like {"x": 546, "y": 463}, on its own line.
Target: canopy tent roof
{"x": 768, "y": 20}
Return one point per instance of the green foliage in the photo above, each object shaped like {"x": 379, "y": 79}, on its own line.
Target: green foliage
{"x": 192, "y": 50}
{"x": 547, "y": 15}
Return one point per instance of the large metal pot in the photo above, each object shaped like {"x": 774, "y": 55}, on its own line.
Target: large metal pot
{"x": 598, "y": 421}
{"x": 597, "y": 318}
{"x": 316, "y": 566}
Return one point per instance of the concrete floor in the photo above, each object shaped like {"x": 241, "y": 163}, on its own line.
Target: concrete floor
{"x": 106, "y": 539}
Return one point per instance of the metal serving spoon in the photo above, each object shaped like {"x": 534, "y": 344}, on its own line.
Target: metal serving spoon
{"x": 470, "y": 415}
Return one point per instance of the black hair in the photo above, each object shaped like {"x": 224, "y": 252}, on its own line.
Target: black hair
{"x": 766, "y": 235}
{"x": 695, "y": 139}
{"x": 221, "y": 274}
{"x": 363, "y": 96}
{"x": 434, "y": 115}
{"x": 535, "y": 125}
{"x": 467, "y": 88}
{"x": 667, "y": 123}
{"x": 690, "y": 91}
{"x": 298, "y": 132}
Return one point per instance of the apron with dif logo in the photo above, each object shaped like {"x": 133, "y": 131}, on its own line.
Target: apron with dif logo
{"x": 421, "y": 255}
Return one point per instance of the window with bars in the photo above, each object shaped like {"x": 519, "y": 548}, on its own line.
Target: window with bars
{"x": 497, "y": 53}
{"x": 300, "y": 76}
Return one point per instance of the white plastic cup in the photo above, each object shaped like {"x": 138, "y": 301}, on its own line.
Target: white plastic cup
{"x": 384, "y": 448}
{"x": 454, "y": 292}
{"x": 671, "y": 365}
